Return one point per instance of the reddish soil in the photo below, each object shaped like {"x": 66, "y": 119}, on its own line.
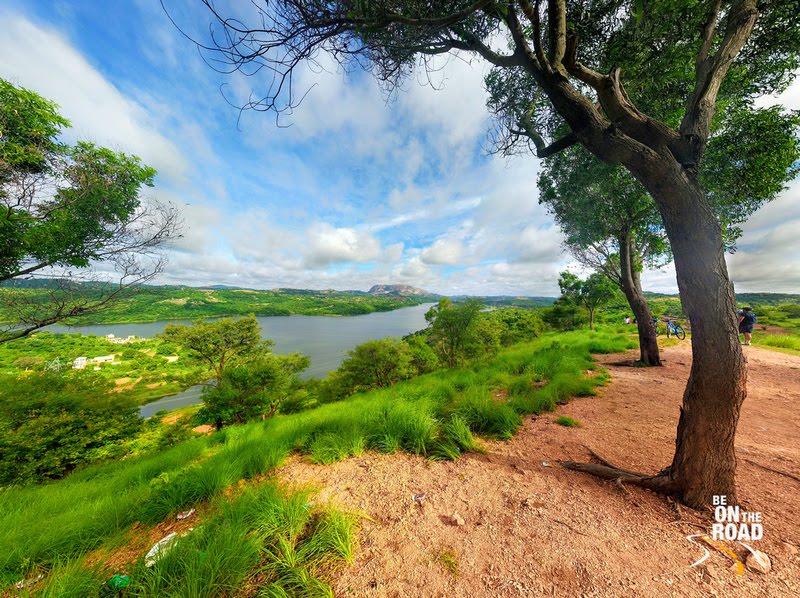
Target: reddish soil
{"x": 516, "y": 524}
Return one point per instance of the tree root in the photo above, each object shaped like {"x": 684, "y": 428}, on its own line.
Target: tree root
{"x": 778, "y": 471}
{"x": 661, "y": 482}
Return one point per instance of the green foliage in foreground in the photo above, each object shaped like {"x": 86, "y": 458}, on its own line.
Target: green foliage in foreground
{"x": 47, "y": 428}
{"x": 434, "y": 415}
{"x": 256, "y": 389}
{"x": 280, "y": 533}
{"x": 152, "y": 304}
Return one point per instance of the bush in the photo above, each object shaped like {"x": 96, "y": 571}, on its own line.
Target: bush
{"x": 27, "y": 362}
{"x": 52, "y": 424}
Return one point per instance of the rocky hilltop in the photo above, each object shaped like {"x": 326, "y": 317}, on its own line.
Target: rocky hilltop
{"x": 397, "y": 289}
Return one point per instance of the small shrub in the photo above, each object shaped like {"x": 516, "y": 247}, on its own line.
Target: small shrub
{"x": 448, "y": 558}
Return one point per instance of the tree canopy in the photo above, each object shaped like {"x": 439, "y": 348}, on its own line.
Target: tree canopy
{"x": 453, "y": 328}
{"x": 220, "y": 343}
{"x": 252, "y": 390}
{"x": 67, "y": 208}
{"x": 594, "y": 292}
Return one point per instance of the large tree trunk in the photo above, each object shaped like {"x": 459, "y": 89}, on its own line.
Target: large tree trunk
{"x": 704, "y": 464}
{"x": 632, "y": 288}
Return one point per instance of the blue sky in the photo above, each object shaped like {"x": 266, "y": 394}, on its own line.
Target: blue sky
{"x": 361, "y": 188}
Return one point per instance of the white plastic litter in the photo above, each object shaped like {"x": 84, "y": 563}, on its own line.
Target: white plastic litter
{"x": 159, "y": 549}
{"x": 25, "y": 583}
{"x": 185, "y": 514}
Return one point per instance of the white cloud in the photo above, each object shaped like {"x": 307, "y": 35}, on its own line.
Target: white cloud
{"x": 443, "y": 252}
{"x": 200, "y": 223}
{"x": 539, "y": 244}
{"x": 329, "y": 245}
{"x": 412, "y": 270}
{"x": 455, "y": 109}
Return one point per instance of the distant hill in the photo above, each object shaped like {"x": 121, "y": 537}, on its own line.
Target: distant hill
{"x": 403, "y": 290}
{"x": 223, "y": 287}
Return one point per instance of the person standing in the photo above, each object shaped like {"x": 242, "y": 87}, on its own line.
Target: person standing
{"x": 747, "y": 320}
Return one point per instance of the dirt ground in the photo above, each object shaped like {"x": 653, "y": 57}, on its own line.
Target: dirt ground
{"x": 513, "y": 523}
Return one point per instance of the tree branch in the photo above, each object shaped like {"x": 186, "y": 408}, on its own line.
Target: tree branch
{"x": 532, "y": 13}
{"x": 709, "y": 74}
{"x": 521, "y": 43}
{"x": 542, "y": 149}
{"x": 709, "y": 28}
{"x": 557, "y": 25}
{"x": 473, "y": 44}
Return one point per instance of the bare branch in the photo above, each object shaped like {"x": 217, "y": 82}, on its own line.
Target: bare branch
{"x": 521, "y": 43}
{"x": 472, "y": 43}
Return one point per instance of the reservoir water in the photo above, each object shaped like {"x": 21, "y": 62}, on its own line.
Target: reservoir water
{"x": 325, "y": 339}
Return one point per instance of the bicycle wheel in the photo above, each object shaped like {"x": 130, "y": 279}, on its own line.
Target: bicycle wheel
{"x": 679, "y": 332}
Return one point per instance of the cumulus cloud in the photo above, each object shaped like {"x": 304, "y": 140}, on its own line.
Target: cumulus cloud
{"x": 769, "y": 247}
{"x": 329, "y": 245}
{"x": 539, "y": 244}
{"x": 443, "y": 252}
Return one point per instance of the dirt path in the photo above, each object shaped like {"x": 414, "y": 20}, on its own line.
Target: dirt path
{"x": 515, "y": 527}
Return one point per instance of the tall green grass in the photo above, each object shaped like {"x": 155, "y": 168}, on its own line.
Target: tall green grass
{"x": 273, "y": 535}
{"x": 778, "y": 341}
{"x": 436, "y": 415}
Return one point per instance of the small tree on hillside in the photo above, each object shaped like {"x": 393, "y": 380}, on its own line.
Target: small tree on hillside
{"x": 253, "y": 390}
{"x": 376, "y": 364}
{"x": 612, "y": 226}
{"x": 221, "y": 342}
{"x": 452, "y": 328}
{"x": 591, "y": 293}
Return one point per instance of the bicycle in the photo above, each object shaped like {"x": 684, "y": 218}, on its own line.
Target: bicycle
{"x": 673, "y": 329}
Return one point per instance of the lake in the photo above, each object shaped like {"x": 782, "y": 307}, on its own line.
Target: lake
{"x": 325, "y": 339}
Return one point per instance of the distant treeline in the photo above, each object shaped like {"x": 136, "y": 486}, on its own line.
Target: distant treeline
{"x": 522, "y": 302}
{"x": 767, "y": 298}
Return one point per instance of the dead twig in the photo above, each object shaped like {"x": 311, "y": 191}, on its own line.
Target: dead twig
{"x": 567, "y": 525}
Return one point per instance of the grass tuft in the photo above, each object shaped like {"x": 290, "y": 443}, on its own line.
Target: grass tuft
{"x": 448, "y": 559}
{"x": 567, "y": 422}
